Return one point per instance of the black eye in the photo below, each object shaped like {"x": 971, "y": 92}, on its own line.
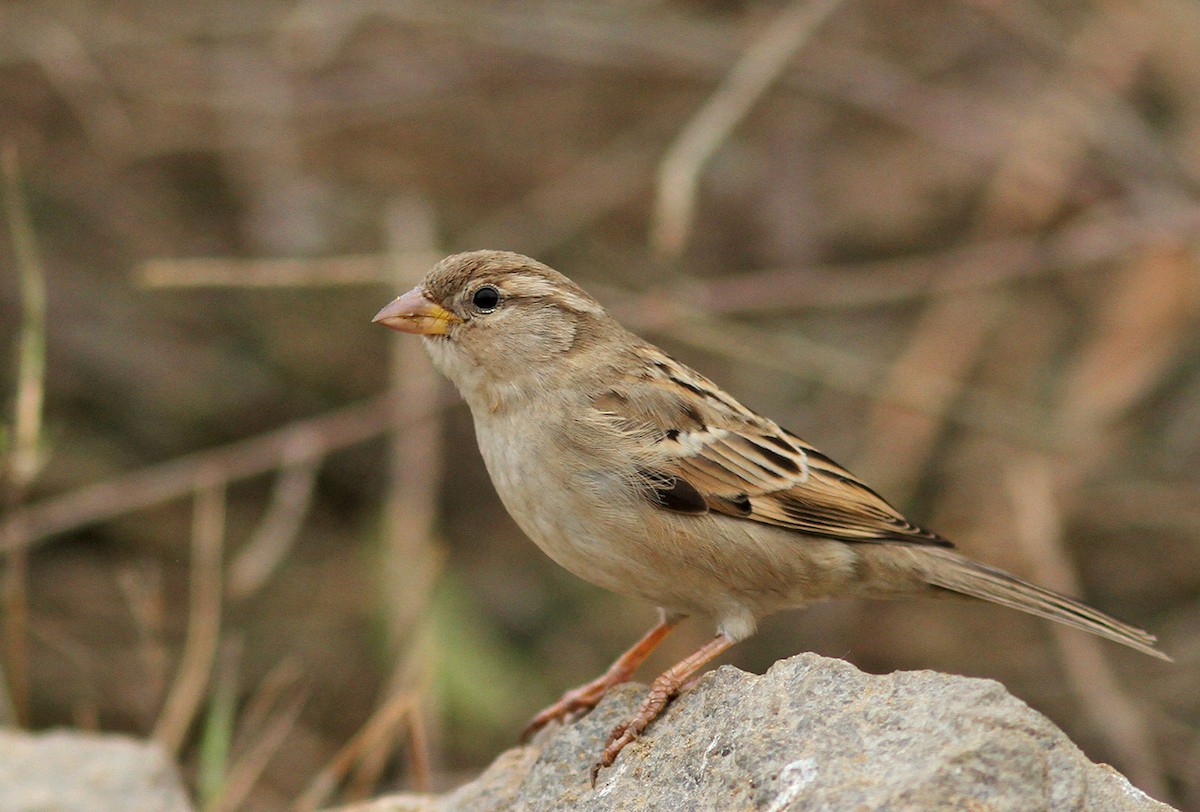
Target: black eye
{"x": 485, "y": 299}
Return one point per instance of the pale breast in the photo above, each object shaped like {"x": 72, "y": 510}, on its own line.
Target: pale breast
{"x": 582, "y": 512}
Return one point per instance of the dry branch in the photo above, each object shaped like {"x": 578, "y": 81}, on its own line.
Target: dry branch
{"x": 378, "y": 729}
{"x": 1038, "y": 527}
{"x": 204, "y": 617}
{"x": 276, "y": 533}
{"x": 249, "y": 767}
{"x": 982, "y": 263}
{"x": 411, "y": 559}
{"x": 1143, "y": 323}
{"x": 160, "y": 483}
{"x": 747, "y": 81}
{"x": 982, "y": 409}
{"x": 567, "y": 204}
{"x": 190, "y": 272}
{"x": 947, "y": 340}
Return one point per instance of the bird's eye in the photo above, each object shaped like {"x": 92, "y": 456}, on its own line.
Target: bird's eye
{"x": 485, "y": 299}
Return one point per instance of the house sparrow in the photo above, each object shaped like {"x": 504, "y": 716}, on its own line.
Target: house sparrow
{"x": 642, "y": 476}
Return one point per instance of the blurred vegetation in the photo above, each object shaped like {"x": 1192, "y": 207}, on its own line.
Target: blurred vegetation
{"x": 952, "y": 244}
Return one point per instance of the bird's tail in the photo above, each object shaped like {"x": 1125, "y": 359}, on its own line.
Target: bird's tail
{"x": 958, "y": 574}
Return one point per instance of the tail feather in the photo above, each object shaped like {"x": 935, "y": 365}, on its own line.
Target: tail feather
{"x": 958, "y": 574}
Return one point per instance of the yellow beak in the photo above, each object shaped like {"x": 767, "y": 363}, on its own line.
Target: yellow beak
{"x": 413, "y": 313}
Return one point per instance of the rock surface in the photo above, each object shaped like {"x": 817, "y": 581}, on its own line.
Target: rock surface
{"x": 811, "y": 733}
{"x": 71, "y": 771}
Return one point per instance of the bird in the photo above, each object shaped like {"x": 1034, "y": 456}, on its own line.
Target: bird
{"x": 637, "y": 473}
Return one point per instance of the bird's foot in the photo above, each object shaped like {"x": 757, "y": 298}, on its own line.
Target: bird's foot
{"x": 572, "y": 705}
{"x": 624, "y": 733}
{"x": 579, "y": 701}
{"x": 664, "y": 688}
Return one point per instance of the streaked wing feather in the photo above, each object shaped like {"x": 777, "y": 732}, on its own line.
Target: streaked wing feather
{"x": 743, "y": 465}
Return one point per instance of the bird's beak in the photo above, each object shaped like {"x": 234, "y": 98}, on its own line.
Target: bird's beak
{"x": 413, "y": 313}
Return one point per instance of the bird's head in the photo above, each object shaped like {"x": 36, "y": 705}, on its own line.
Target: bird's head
{"x": 498, "y": 319}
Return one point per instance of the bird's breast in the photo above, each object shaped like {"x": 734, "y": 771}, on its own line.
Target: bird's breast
{"x": 576, "y": 507}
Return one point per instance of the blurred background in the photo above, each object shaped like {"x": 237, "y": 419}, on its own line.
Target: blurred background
{"x": 953, "y": 244}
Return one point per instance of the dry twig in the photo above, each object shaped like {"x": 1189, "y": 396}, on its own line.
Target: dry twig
{"x": 1143, "y": 323}
{"x": 249, "y": 767}
{"x": 1038, "y": 527}
{"x": 902, "y": 439}
{"x": 371, "y": 738}
{"x": 984, "y": 410}
{"x": 163, "y": 482}
{"x": 980, "y": 264}
{"x": 283, "y": 679}
{"x": 734, "y": 98}
{"x": 204, "y": 618}
{"x": 411, "y": 560}
{"x": 195, "y": 272}
{"x": 261, "y": 556}
{"x": 567, "y": 204}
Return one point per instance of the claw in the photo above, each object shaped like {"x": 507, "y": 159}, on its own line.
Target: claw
{"x": 662, "y": 691}
{"x": 571, "y": 706}
{"x": 578, "y": 702}
{"x": 621, "y": 735}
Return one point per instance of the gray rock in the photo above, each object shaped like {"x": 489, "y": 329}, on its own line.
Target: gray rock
{"x": 810, "y": 734}
{"x": 72, "y": 771}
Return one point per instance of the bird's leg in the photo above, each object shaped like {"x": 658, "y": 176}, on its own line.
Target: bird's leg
{"x": 662, "y": 691}
{"x": 586, "y": 697}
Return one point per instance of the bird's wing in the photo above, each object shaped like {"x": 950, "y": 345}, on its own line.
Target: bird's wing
{"x": 711, "y": 453}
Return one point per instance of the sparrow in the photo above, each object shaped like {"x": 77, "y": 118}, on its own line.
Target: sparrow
{"x": 642, "y": 476}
